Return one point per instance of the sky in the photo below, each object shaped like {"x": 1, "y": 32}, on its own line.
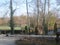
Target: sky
{"x": 4, "y": 8}
{"x": 20, "y": 5}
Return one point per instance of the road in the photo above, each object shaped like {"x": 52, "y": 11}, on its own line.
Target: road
{"x": 7, "y": 40}
{"x": 10, "y": 40}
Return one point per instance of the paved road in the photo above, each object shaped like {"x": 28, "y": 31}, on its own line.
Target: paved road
{"x": 10, "y": 40}
{"x": 7, "y": 40}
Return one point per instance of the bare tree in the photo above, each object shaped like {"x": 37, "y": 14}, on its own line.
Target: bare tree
{"x": 37, "y": 12}
{"x": 11, "y": 17}
{"x": 28, "y": 20}
{"x": 44, "y": 24}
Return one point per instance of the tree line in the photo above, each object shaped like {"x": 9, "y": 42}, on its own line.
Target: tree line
{"x": 41, "y": 16}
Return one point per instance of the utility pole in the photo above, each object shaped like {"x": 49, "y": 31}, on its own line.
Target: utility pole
{"x": 11, "y": 18}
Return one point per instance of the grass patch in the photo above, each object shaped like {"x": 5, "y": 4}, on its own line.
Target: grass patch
{"x": 4, "y": 28}
{"x": 8, "y": 28}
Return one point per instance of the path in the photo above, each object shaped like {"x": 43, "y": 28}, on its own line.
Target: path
{"x": 7, "y": 40}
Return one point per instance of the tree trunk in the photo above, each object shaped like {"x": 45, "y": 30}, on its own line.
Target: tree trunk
{"x": 11, "y": 18}
{"x": 44, "y": 24}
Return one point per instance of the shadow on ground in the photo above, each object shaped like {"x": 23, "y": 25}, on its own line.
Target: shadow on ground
{"x": 37, "y": 41}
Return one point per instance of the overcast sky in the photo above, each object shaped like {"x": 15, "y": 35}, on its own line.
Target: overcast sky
{"x": 20, "y": 4}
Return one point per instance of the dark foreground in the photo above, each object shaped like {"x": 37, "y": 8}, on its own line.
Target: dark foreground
{"x": 37, "y": 41}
